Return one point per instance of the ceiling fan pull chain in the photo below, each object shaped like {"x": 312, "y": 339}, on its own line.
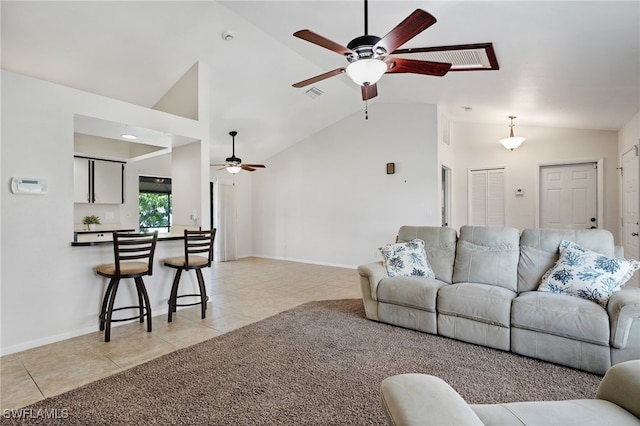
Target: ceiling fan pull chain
{"x": 366, "y": 109}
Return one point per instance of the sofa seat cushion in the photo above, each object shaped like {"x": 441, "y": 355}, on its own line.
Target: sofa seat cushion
{"x": 479, "y": 302}
{"x": 582, "y": 412}
{"x": 561, "y": 315}
{"x": 413, "y": 292}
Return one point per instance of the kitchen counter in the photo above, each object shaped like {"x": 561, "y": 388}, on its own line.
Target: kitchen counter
{"x": 102, "y": 237}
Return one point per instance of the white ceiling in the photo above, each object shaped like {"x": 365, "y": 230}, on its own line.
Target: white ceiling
{"x": 567, "y": 64}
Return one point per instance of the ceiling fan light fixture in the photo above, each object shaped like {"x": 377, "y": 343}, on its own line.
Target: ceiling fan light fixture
{"x": 366, "y": 72}
{"x": 512, "y": 142}
{"x": 234, "y": 169}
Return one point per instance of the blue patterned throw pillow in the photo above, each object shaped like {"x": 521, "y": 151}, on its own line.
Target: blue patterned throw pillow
{"x": 407, "y": 260}
{"x": 587, "y": 274}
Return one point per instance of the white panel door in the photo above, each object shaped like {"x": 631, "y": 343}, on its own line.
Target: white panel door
{"x": 630, "y": 203}
{"x": 568, "y": 196}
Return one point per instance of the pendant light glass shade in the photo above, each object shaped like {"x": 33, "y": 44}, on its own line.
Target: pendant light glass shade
{"x": 365, "y": 72}
{"x": 512, "y": 142}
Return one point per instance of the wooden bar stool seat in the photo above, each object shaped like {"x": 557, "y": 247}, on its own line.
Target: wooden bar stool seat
{"x": 198, "y": 254}
{"x": 133, "y": 258}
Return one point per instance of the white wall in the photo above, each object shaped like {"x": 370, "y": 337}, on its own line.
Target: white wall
{"x": 186, "y": 186}
{"x": 629, "y": 135}
{"x": 328, "y": 198}
{"x": 476, "y": 146}
{"x": 48, "y": 288}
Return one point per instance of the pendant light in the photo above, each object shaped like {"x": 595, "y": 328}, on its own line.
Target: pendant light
{"x": 512, "y": 142}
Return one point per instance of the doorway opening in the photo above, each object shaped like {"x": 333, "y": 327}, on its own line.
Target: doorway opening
{"x": 446, "y": 196}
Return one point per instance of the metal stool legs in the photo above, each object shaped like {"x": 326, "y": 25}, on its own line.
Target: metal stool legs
{"x": 106, "y": 314}
{"x": 173, "y": 298}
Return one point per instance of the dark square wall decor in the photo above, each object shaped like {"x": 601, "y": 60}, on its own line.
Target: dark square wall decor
{"x": 391, "y": 168}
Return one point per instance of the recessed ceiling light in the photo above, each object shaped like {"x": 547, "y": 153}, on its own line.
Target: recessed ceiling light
{"x": 128, "y": 136}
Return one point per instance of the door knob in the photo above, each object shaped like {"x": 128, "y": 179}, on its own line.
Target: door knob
{"x": 634, "y": 234}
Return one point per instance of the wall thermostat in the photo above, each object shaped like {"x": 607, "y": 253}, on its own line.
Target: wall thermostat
{"x": 28, "y": 186}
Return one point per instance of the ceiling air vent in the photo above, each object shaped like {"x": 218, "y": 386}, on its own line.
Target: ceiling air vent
{"x": 470, "y": 58}
{"x": 314, "y": 92}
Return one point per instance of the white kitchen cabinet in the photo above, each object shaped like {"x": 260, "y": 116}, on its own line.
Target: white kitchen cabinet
{"x": 98, "y": 181}
{"x": 81, "y": 181}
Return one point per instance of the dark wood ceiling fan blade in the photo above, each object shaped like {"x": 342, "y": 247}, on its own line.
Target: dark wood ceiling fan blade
{"x": 370, "y": 91}
{"x": 321, "y": 41}
{"x": 247, "y": 168}
{"x": 413, "y": 25}
{"x": 399, "y": 65}
{"x": 259, "y": 166}
{"x": 318, "y": 78}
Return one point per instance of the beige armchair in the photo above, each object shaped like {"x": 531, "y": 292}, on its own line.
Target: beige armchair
{"x": 420, "y": 399}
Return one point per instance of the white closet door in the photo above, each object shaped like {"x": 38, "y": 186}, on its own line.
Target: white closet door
{"x": 486, "y": 197}
{"x": 495, "y": 197}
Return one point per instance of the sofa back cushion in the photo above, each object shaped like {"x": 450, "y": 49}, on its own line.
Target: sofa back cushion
{"x": 539, "y": 250}
{"x": 440, "y": 244}
{"x": 487, "y": 255}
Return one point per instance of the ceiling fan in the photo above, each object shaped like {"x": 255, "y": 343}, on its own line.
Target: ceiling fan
{"x": 370, "y": 56}
{"x": 234, "y": 164}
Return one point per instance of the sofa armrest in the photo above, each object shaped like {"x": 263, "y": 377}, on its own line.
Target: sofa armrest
{"x": 621, "y": 385}
{"x": 420, "y": 399}
{"x": 623, "y": 309}
{"x": 374, "y": 273}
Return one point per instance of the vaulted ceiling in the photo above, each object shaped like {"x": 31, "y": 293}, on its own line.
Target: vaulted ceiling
{"x": 567, "y": 64}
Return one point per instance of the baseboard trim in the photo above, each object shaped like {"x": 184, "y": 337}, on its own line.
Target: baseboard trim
{"x": 311, "y": 262}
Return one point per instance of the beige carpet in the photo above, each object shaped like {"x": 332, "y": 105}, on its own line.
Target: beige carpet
{"x": 318, "y": 364}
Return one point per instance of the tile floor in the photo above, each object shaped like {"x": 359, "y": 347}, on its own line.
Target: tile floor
{"x": 243, "y": 291}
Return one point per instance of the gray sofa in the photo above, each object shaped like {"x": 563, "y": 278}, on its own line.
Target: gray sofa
{"x": 419, "y": 399}
{"x": 484, "y": 292}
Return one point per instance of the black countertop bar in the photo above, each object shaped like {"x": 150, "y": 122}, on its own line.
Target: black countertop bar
{"x": 161, "y": 237}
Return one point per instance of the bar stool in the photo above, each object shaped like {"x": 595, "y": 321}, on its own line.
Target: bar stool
{"x": 195, "y": 243}
{"x": 129, "y": 251}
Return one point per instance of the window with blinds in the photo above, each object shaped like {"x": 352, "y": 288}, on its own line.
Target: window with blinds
{"x": 486, "y": 197}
